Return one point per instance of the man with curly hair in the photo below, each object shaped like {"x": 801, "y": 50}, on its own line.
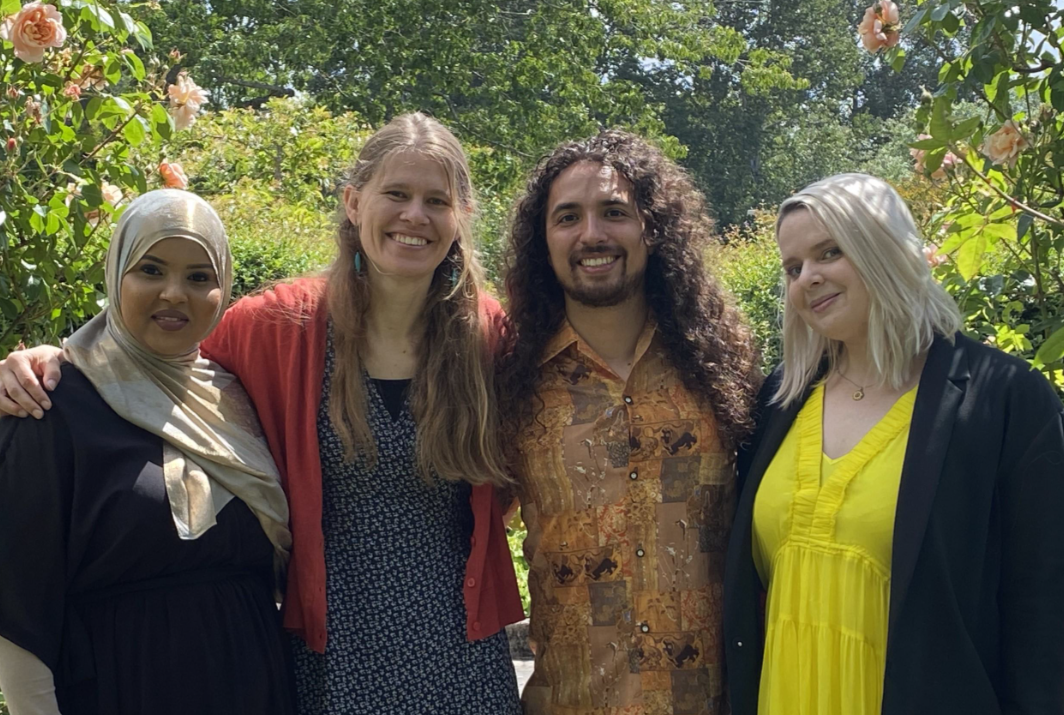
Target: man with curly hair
{"x": 630, "y": 381}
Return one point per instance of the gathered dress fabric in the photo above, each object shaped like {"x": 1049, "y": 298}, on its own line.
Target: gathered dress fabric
{"x": 97, "y": 583}
{"x": 823, "y": 534}
{"x": 396, "y": 548}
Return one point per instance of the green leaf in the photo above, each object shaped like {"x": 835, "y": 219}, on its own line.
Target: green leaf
{"x": 99, "y": 17}
{"x": 950, "y": 24}
{"x": 10, "y": 7}
{"x": 112, "y": 70}
{"x": 128, "y": 23}
{"x": 899, "y": 60}
{"x": 927, "y": 144}
{"x": 134, "y": 132}
{"x": 970, "y": 257}
{"x": 914, "y": 21}
{"x": 940, "y": 126}
{"x": 999, "y": 230}
{"x": 136, "y": 66}
{"x": 92, "y": 195}
{"x": 933, "y": 159}
{"x": 1023, "y": 225}
{"x": 940, "y": 12}
{"x": 1052, "y": 349}
{"x": 966, "y": 128}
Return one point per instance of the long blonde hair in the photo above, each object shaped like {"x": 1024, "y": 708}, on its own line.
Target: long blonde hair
{"x": 872, "y": 225}
{"x": 452, "y": 393}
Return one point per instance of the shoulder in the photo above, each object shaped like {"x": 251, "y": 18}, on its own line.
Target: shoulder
{"x": 994, "y": 371}
{"x": 299, "y": 298}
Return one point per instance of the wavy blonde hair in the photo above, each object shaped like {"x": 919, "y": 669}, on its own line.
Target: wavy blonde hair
{"x": 452, "y": 393}
{"x": 872, "y": 225}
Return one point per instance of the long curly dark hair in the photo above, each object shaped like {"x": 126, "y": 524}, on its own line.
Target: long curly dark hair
{"x": 705, "y": 337}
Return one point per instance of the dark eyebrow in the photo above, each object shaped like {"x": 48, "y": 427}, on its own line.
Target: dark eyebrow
{"x": 823, "y": 244}
{"x": 569, "y": 205}
{"x": 161, "y": 262}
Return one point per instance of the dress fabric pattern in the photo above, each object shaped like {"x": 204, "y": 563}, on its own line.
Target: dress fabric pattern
{"x": 395, "y": 557}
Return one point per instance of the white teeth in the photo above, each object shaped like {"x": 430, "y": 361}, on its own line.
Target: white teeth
{"x": 591, "y": 262}
{"x": 409, "y": 240}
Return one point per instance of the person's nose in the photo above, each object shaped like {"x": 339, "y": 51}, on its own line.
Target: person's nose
{"x": 414, "y": 214}
{"x": 174, "y": 290}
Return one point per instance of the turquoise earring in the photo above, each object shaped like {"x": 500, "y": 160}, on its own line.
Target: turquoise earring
{"x": 454, "y": 278}
{"x": 358, "y": 261}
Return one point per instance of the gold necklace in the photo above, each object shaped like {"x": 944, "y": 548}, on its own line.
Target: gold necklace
{"x": 859, "y": 395}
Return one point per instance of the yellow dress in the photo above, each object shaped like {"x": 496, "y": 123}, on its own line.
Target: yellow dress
{"x": 823, "y": 532}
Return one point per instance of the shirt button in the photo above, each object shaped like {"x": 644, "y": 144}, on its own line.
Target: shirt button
{"x": 627, "y": 399}
{"x": 645, "y": 627}
{"x": 738, "y": 644}
{"x": 633, "y": 475}
{"x": 472, "y": 541}
{"x": 470, "y": 582}
{"x": 640, "y": 553}
{"x": 476, "y": 625}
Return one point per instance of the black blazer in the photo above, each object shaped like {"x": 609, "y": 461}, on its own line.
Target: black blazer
{"x": 976, "y": 622}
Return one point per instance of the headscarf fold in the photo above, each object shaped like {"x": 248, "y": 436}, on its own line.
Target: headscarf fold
{"x": 213, "y": 445}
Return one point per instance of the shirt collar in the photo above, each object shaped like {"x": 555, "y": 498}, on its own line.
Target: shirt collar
{"x": 567, "y": 336}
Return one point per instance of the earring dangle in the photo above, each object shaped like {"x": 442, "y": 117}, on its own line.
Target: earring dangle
{"x": 358, "y": 261}
{"x": 454, "y": 278}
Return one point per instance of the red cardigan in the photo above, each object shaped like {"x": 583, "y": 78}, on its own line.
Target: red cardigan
{"x": 275, "y": 343}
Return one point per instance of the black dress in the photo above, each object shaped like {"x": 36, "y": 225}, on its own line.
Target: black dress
{"x": 95, "y": 582}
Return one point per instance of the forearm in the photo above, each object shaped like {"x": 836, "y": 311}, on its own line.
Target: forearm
{"x": 26, "y": 682}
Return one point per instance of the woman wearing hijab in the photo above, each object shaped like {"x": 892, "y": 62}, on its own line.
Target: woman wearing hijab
{"x": 142, "y": 522}
{"x": 901, "y": 501}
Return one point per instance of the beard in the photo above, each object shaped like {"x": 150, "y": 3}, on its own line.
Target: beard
{"x": 605, "y": 296}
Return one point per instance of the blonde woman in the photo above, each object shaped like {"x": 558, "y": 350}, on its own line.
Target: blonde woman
{"x": 374, "y": 388}
{"x": 901, "y": 502}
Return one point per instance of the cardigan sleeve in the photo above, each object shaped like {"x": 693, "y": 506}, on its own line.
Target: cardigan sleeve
{"x": 1031, "y": 491}
{"x": 27, "y": 683}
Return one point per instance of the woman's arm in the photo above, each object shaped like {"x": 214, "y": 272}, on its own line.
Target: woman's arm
{"x": 26, "y": 682}
{"x": 21, "y": 376}
{"x": 36, "y": 505}
{"x": 1032, "y": 574}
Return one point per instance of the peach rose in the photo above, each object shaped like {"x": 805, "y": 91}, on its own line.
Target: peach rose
{"x": 932, "y": 257}
{"x": 1004, "y": 145}
{"x": 111, "y": 193}
{"x": 880, "y": 26}
{"x": 12, "y": 144}
{"x": 72, "y": 90}
{"x": 173, "y": 175}
{"x": 33, "y": 29}
{"x": 949, "y": 160}
{"x": 186, "y": 98}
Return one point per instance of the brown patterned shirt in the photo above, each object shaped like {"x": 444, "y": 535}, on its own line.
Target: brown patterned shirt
{"x": 628, "y": 497}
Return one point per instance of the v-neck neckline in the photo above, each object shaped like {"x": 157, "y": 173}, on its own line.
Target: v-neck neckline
{"x": 819, "y": 503}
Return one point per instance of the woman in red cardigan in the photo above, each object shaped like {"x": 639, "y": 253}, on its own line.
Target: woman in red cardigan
{"x": 373, "y": 386}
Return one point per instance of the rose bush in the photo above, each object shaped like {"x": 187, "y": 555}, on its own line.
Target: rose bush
{"x": 1000, "y": 220}
{"x": 85, "y": 118}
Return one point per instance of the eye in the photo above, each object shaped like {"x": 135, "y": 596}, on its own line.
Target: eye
{"x": 150, "y": 269}
{"x": 567, "y": 218}
{"x": 200, "y": 277}
{"x": 832, "y": 253}
{"x": 437, "y": 201}
{"x": 616, "y": 213}
{"x": 792, "y": 271}
{"x": 395, "y": 194}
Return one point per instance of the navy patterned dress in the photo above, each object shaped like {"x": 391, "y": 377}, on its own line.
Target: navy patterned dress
{"x": 395, "y": 556}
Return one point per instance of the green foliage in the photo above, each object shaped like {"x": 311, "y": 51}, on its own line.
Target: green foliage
{"x": 747, "y": 264}
{"x": 81, "y": 131}
{"x": 515, "y": 537}
{"x": 1001, "y": 220}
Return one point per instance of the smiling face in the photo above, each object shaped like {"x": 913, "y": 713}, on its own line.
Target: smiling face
{"x": 170, "y": 297}
{"x": 405, "y": 215}
{"x": 595, "y": 235}
{"x": 823, "y": 286}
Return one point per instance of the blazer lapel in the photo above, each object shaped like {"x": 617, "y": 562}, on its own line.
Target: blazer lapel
{"x": 942, "y": 387}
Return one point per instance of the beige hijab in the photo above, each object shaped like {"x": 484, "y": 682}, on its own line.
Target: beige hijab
{"x": 213, "y": 448}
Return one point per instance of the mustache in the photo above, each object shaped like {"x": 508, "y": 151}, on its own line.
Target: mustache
{"x": 591, "y": 251}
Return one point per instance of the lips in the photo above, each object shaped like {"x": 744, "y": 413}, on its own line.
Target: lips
{"x": 406, "y": 239}
{"x": 823, "y": 301}
{"x": 170, "y": 320}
